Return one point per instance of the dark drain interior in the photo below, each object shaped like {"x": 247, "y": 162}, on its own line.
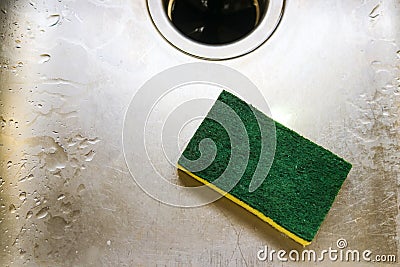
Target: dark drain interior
{"x": 215, "y": 22}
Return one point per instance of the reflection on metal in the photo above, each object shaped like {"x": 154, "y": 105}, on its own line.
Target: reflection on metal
{"x": 257, "y": 6}
{"x": 170, "y": 7}
{"x": 68, "y": 72}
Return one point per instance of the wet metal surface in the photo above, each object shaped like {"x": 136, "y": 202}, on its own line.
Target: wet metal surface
{"x": 68, "y": 70}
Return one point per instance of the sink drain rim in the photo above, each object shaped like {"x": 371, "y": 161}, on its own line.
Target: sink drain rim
{"x": 266, "y": 27}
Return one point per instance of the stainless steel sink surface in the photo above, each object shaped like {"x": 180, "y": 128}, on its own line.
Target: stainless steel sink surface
{"x": 68, "y": 72}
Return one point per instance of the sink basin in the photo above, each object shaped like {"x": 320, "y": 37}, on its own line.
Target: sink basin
{"x": 70, "y": 71}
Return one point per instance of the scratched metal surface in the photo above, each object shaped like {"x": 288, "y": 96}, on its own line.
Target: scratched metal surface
{"x": 68, "y": 71}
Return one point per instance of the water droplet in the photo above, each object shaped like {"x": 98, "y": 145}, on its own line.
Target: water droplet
{"x": 374, "y": 12}
{"x": 60, "y": 197}
{"x": 37, "y": 200}
{"x": 4, "y": 11}
{"x": 376, "y": 63}
{"x": 55, "y": 156}
{"x": 56, "y": 167}
{"x": 9, "y": 164}
{"x": 89, "y": 156}
{"x": 29, "y": 214}
{"x": 12, "y": 208}
{"x": 42, "y": 213}
{"x": 83, "y": 146}
{"x": 22, "y": 196}
{"x": 71, "y": 142}
{"x": 52, "y": 150}
{"x": 54, "y": 19}
{"x": 44, "y": 58}
{"x": 94, "y": 141}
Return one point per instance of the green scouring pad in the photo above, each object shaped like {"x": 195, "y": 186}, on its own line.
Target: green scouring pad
{"x": 302, "y": 182}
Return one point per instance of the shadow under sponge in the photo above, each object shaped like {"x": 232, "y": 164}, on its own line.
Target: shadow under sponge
{"x": 303, "y": 180}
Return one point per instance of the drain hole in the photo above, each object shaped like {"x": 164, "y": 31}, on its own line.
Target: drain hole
{"x": 215, "y": 22}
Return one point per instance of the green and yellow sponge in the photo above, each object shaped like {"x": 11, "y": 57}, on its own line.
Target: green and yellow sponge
{"x": 302, "y": 181}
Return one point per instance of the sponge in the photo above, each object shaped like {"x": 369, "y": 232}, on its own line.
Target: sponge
{"x": 294, "y": 196}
